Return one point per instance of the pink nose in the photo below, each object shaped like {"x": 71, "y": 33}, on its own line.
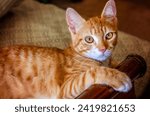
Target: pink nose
{"x": 102, "y": 50}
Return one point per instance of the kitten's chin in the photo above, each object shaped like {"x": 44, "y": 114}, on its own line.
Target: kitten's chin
{"x": 98, "y": 56}
{"x": 101, "y": 59}
{"x": 106, "y": 55}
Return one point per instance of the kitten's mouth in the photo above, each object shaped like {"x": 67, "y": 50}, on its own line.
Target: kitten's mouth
{"x": 97, "y": 55}
{"x": 104, "y": 56}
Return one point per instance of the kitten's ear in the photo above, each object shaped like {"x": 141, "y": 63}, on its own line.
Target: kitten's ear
{"x": 74, "y": 20}
{"x": 109, "y": 9}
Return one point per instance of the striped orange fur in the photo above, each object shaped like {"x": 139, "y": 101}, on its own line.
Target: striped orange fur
{"x": 37, "y": 72}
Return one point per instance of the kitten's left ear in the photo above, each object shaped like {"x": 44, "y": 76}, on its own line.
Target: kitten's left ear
{"x": 109, "y": 9}
{"x": 74, "y": 20}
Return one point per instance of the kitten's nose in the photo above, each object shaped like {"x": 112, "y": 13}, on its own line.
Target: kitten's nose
{"x": 102, "y": 50}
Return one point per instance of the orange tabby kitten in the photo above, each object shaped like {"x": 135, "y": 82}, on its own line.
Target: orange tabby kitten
{"x": 36, "y": 72}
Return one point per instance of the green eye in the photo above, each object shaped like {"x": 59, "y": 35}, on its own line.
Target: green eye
{"x": 89, "y": 39}
{"x": 109, "y": 35}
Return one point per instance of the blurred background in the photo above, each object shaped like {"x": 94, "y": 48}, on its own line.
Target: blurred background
{"x": 133, "y": 15}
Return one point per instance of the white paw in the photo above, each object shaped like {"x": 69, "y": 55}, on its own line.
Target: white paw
{"x": 125, "y": 86}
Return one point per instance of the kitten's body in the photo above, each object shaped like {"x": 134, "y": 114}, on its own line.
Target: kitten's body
{"x": 35, "y": 72}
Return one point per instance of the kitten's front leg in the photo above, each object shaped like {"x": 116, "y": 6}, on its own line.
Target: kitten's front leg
{"x": 77, "y": 83}
{"x": 113, "y": 78}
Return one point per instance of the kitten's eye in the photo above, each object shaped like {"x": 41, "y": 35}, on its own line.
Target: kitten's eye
{"x": 89, "y": 39}
{"x": 109, "y": 35}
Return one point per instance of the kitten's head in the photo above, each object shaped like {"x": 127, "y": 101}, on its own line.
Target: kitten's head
{"x": 97, "y": 37}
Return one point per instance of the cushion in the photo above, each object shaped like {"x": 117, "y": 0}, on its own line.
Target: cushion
{"x": 33, "y": 23}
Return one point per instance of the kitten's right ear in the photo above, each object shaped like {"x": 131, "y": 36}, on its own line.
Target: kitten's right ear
{"x": 74, "y": 20}
{"x": 109, "y": 9}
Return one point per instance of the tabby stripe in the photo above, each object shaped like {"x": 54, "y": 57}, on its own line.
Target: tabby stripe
{"x": 82, "y": 82}
{"x": 78, "y": 42}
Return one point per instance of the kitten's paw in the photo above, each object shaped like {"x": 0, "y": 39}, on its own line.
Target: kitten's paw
{"x": 122, "y": 83}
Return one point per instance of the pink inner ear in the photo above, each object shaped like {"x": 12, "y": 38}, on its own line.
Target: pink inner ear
{"x": 71, "y": 25}
{"x": 70, "y": 17}
{"x": 113, "y": 7}
{"x": 74, "y": 20}
{"x": 72, "y": 28}
{"x": 109, "y": 9}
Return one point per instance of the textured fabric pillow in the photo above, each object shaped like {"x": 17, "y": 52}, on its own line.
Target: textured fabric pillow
{"x": 33, "y": 23}
{"x": 5, "y": 5}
